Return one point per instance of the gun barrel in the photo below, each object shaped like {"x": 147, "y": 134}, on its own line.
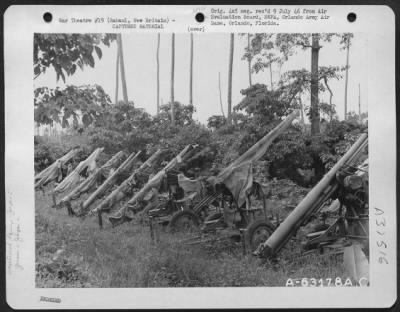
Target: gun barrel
{"x": 112, "y": 198}
{"x": 258, "y": 150}
{"x": 110, "y": 180}
{"x": 322, "y": 191}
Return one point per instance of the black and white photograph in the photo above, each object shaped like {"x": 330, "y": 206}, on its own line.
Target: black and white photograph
{"x": 182, "y": 160}
{"x": 201, "y": 156}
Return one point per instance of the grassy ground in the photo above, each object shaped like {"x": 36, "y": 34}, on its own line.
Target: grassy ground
{"x": 74, "y": 252}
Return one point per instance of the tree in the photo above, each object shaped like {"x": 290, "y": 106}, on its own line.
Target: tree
{"x": 220, "y": 94}
{"x": 121, "y": 127}
{"x": 216, "y": 122}
{"x": 172, "y": 79}
{"x": 117, "y": 78}
{"x": 263, "y": 51}
{"x": 191, "y": 71}
{"x": 232, "y": 42}
{"x": 158, "y": 72}
{"x": 294, "y": 83}
{"x": 263, "y": 106}
{"x": 183, "y": 114}
{"x": 66, "y": 52}
{"x": 314, "y": 109}
{"x": 287, "y": 43}
{"x": 59, "y": 105}
{"x": 346, "y": 39}
{"x": 122, "y": 64}
{"x": 249, "y": 59}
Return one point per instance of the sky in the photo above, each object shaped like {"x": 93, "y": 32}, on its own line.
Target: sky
{"x": 211, "y": 57}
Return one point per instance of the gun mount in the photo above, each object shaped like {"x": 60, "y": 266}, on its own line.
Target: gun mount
{"x": 339, "y": 182}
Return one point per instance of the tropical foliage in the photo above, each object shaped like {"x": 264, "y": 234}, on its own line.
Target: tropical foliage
{"x": 66, "y": 52}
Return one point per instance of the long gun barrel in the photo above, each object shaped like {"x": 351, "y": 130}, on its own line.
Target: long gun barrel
{"x": 74, "y": 176}
{"x": 85, "y": 185}
{"x": 153, "y": 182}
{"x": 51, "y": 172}
{"x": 258, "y": 150}
{"x": 312, "y": 202}
{"x": 119, "y": 193}
{"x": 126, "y": 165}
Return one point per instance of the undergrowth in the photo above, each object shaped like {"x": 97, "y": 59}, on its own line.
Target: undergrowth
{"x": 74, "y": 252}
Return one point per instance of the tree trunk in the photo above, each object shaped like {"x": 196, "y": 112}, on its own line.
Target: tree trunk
{"x": 314, "y": 109}
{"x": 359, "y": 104}
{"x": 220, "y": 94}
{"x": 330, "y": 99}
{"x": 117, "y": 77}
{"x": 121, "y": 62}
{"x": 270, "y": 76}
{"x": 230, "y": 79}
{"x": 301, "y": 111}
{"x": 158, "y": 73}
{"x": 347, "y": 78}
{"x": 249, "y": 59}
{"x": 191, "y": 71}
{"x": 172, "y": 79}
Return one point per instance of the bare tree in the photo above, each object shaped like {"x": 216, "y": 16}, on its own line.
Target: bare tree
{"x": 232, "y": 42}
{"x": 347, "y": 77}
{"x": 158, "y": 72}
{"x": 270, "y": 76}
{"x": 359, "y": 103}
{"x": 220, "y": 94}
{"x": 117, "y": 77}
{"x": 172, "y": 79}
{"x": 314, "y": 109}
{"x": 122, "y": 64}
{"x": 191, "y": 71}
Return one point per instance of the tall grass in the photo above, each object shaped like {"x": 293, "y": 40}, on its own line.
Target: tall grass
{"x": 73, "y": 252}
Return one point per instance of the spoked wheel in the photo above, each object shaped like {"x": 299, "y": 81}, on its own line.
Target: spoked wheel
{"x": 184, "y": 220}
{"x": 258, "y": 232}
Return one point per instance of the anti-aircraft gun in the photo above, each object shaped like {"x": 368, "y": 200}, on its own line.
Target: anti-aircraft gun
{"x": 347, "y": 184}
{"x": 229, "y": 205}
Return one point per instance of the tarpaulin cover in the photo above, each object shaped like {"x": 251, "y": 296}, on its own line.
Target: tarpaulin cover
{"x": 130, "y": 183}
{"x": 238, "y": 176}
{"x": 74, "y": 177}
{"x": 153, "y": 182}
{"x": 88, "y": 183}
{"x": 53, "y": 172}
{"x": 239, "y": 180}
{"x": 189, "y": 185}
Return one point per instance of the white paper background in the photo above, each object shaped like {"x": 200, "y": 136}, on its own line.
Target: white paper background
{"x": 20, "y": 22}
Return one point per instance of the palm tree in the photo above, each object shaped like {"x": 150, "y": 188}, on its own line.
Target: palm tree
{"x": 232, "y": 42}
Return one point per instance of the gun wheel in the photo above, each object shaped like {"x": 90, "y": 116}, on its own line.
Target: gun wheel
{"x": 184, "y": 220}
{"x": 258, "y": 232}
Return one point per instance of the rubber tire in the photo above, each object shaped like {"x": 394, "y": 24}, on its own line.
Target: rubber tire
{"x": 254, "y": 226}
{"x": 183, "y": 213}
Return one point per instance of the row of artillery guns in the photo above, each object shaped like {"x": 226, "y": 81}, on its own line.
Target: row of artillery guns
{"x": 230, "y": 203}
{"x": 232, "y": 206}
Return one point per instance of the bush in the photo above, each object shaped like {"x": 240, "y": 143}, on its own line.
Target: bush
{"x": 48, "y": 149}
